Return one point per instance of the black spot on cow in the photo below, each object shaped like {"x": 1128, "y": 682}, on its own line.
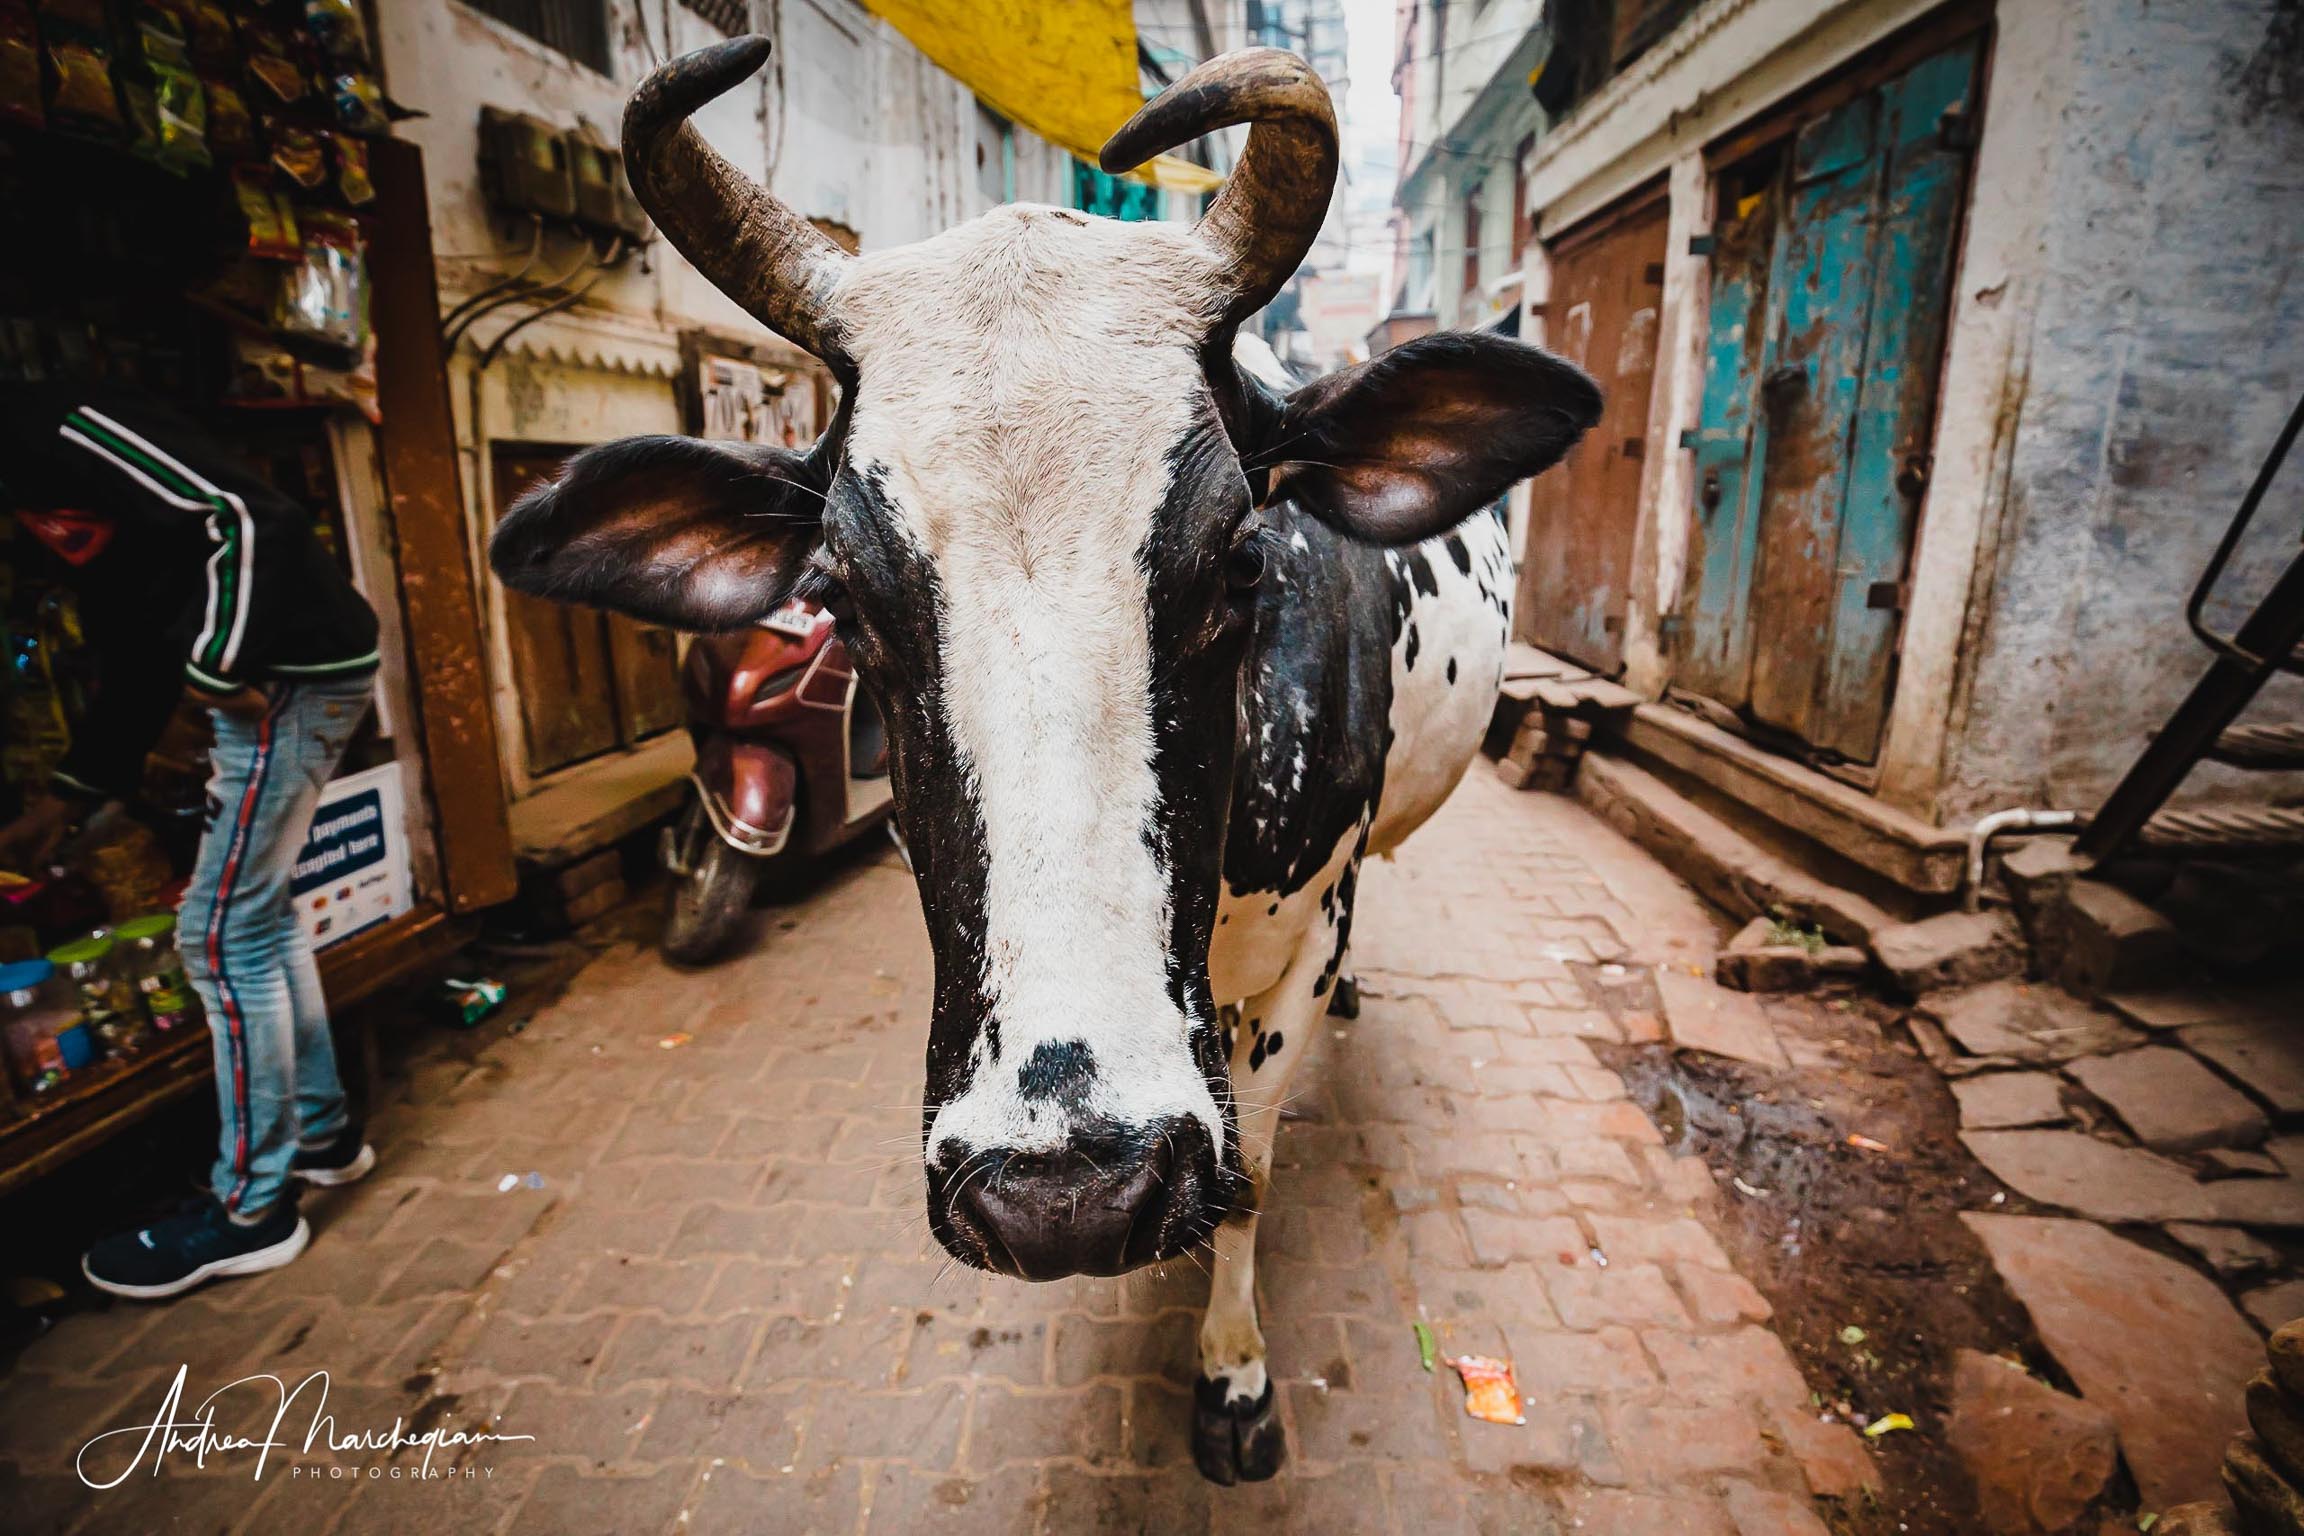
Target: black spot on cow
{"x": 1458, "y": 553}
{"x": 1451, "y": 671}
{"x": 1412, "y": 642}
{"x": 1057, "y": 1071}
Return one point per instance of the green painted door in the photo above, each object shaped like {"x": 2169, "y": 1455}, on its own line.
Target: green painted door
{"x": 1831, "y": 291}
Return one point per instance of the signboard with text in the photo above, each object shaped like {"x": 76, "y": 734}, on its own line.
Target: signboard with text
{"x": 352, "y": 872}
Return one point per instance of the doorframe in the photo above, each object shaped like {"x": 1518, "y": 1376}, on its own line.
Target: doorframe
{"x": 1883, "y": 62}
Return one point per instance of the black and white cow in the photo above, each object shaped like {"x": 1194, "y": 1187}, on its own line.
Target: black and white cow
{"x": 1165, "y": 652}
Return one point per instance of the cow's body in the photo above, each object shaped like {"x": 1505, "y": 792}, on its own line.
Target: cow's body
{"x": 1166, "y": 649}
{"x": 1371, "y": 680}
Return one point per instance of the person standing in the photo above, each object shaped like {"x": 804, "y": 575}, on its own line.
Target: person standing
{"x": 212, "y": 582}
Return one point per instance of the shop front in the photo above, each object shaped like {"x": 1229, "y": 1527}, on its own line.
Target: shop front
{"x": 209, "y": 214}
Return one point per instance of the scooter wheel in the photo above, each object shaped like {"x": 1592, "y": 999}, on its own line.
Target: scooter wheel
{"x": 708, "y": 904}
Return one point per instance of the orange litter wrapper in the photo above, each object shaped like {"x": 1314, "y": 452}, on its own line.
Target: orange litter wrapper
{"x": 1490, "y": 1393}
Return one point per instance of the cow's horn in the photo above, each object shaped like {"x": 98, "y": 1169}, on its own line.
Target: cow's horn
{"x": 754, "y": 249}
{"x": 1269, "y": 213}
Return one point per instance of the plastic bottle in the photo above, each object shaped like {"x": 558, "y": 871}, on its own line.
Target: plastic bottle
{"x": 156, "y": 970}
{"x": 107, "y": 997}
{"x": 47, "y": 1039}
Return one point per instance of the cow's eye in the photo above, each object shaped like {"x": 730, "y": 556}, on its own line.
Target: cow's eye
{"x": 1244, "y": 567}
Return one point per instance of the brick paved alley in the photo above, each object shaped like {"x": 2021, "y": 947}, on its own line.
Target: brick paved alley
{"x": 720, "y": 1312}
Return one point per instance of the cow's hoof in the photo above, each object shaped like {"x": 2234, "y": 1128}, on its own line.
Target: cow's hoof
{"x": 1235, "y": 1442}
{"x": 1344, "y": 999}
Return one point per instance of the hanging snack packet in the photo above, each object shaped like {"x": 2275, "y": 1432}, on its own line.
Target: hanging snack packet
{"x": 81, "y": 99}
{"x": 20, "y": 64}
{"x": 169, "y": 106}
{"x": 324, "y": 296}
{"x": 359, "y": 104}
{"x": 296, "y": 154}
{"x": 336, "y": 26}
{"x": 231, "y": 131}
{"x": 352, "y": 180}
{"x": 279, "y": 78}
{"x": 271, "y": 222}
{"x": 208, "y": 28}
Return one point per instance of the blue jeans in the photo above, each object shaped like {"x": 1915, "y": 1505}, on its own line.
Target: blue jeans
{"x": 244, "y": 951}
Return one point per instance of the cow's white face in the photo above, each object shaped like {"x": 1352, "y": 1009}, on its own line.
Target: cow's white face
{"x": 1037, "y": 517}
{"x": 1013, "y": 476}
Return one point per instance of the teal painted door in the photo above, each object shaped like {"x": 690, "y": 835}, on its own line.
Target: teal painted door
{"x": 1831, "y": 290}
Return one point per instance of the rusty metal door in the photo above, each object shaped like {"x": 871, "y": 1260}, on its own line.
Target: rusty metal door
{"x": 1576, "y": 573}
{"x": 1831, "y": 294}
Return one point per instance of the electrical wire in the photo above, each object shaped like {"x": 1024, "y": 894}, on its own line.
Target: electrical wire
{"x": 590, "y": 258}
{"x": 535, "y": 250}
{"x": 496, "y": 347}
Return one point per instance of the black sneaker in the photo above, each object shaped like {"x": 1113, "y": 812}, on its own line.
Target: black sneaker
{"x": 340, "y": 1161}
{"x": 179, "y": 1252}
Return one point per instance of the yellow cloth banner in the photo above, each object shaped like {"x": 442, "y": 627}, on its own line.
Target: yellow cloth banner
{"x": 1066, "y": 69}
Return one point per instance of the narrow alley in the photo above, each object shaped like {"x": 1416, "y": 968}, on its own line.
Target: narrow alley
{"x": 672, "y": 1230}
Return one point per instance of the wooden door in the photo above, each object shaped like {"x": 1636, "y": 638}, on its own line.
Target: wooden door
{"x": 1830, "y": 301}
{"x": 1576, "y": 573}
{"x": 588, "y": 682}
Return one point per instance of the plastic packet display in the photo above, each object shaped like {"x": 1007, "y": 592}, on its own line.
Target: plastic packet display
{"x": 324, "y": 296}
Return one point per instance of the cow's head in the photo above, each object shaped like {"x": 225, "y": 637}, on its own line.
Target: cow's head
{"x": 1037, "y": 515}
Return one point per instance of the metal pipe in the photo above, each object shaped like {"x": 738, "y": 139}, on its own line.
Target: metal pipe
{"x": 1988, "y": 827}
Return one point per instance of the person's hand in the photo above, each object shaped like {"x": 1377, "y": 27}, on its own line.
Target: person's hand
{"x": 246, "y": 703}
{"x": 26, "y": 841}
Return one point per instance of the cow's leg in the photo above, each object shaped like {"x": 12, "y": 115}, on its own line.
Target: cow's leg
{"x": 1236, "y": 1432}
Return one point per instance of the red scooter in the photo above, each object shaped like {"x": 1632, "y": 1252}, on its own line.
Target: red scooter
{"x": 791, "y": 762}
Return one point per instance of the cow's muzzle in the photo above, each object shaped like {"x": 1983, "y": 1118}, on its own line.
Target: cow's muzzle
{"x": 1103, "y": 1204}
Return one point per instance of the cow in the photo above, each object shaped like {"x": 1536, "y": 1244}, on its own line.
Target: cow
{"x": 1166, "y": 650}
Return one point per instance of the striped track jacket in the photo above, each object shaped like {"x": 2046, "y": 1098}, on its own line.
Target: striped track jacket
{"x": 212, "y": 578}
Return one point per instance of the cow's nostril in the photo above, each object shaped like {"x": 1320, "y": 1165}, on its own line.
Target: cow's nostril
{"x": 1099, "y": 1206}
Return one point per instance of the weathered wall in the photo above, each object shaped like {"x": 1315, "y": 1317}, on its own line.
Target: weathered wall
{"x": 2165, "y": 349}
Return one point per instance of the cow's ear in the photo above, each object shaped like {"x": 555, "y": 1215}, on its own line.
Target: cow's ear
{"x": 1408, "y": 444}
{"x": 694, "y": 535}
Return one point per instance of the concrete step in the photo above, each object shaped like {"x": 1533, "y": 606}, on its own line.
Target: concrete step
{"x": 1895, "y": 845}
{"x": 1730, "y": 869}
